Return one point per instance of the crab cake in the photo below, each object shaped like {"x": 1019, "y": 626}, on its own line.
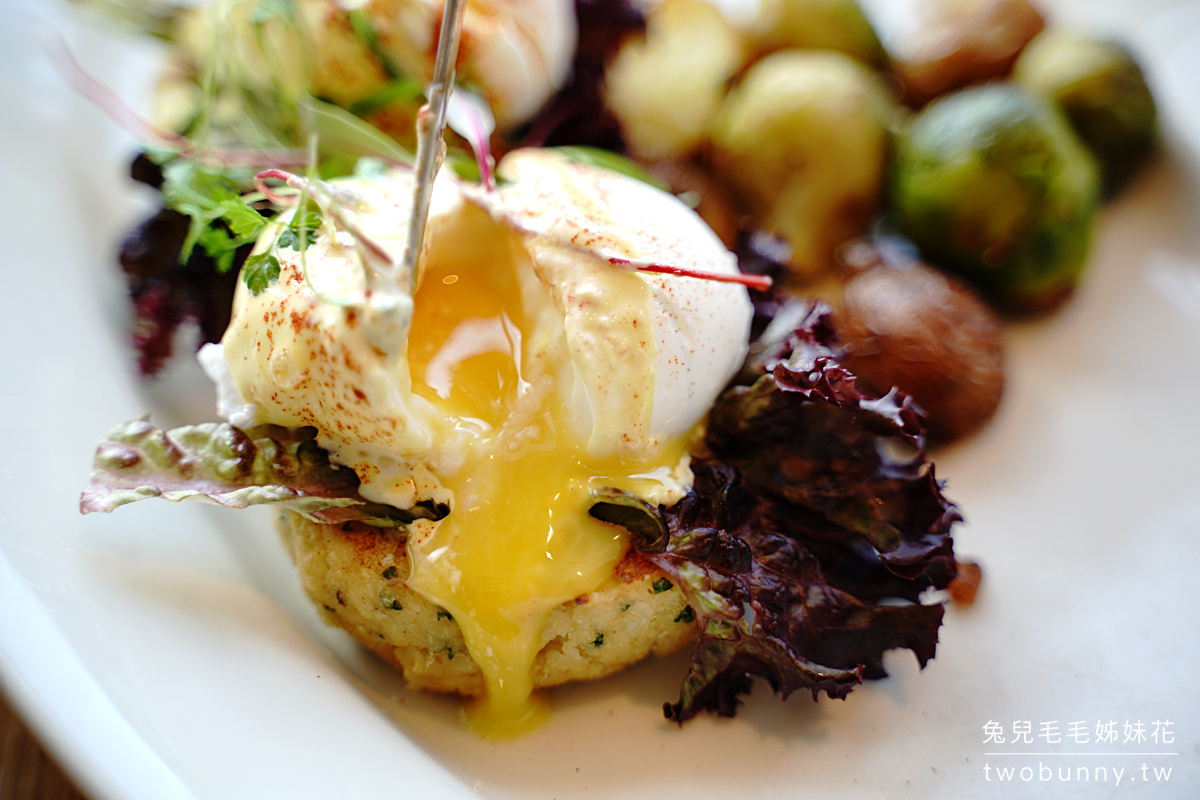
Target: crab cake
{"x": 355, "y": 575}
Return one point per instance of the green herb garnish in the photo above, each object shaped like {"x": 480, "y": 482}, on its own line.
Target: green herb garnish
{"x": 218, "y": 219}
{"x": 221, "y": 219}
{"x": 260, "y": 271}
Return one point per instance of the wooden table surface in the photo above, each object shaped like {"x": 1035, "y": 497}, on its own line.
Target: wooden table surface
{"x": 26, "y": 772}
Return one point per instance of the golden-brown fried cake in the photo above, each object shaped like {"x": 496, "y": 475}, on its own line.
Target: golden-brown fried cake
{"x": 355, "y": 575}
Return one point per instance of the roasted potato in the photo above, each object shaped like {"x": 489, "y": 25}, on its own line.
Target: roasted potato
{"x": 907, "y": 325}
{"x": 817, "y": 24}
{"x": 802, "y": 140}
{"x": 666, "y": 89}
{"x": 974, "y": 42}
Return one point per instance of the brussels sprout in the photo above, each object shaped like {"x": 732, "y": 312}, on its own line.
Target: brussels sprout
{"x": 1103, "y": 93}
{"x": 991, "y": 183}
{"x": 817, "y": 24}
{"x": 802, "y": 141}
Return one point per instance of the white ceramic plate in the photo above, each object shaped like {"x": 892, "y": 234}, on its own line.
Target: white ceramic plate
{"x": 166, "y": 651}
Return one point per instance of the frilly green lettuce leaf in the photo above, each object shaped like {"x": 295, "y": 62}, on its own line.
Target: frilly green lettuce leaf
{"x": 235, "y": 468}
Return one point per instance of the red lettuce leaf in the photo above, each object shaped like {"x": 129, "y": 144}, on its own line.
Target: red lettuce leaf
{"x": 835, "y": 463}
{"x": 811, "y": 532}
{"x": 762, "y": 600}
{"x": 165, "y": 293}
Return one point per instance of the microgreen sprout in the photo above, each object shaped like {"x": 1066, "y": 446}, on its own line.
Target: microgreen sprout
{"x": 329, "y": 200}
{"x": 471, "y": 118}
{"x": 155, "y": 136}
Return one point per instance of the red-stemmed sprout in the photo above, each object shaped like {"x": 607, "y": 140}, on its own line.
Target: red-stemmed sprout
{"x": 759, "y": 283}
{"x": 143, "y": 130}
{"x": 471, "y": 118}
{"x": 328, "y": 203}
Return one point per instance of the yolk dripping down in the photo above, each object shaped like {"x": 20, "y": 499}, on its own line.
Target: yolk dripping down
{"x": 486, "y": 349}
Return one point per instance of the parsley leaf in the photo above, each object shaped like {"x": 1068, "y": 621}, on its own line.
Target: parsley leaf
{"x": 307, "y": 220}
{"x": 218, "y": 219}
{"x": 241, "y": 218}
{"x": 289, "y": 238}
{"x": 260, "y": 271}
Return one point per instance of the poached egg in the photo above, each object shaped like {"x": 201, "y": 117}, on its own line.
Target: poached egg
{"x": 535, "y": 371}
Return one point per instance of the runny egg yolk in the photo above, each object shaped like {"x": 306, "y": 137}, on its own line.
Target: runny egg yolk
{"x": 519, "y": 540}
